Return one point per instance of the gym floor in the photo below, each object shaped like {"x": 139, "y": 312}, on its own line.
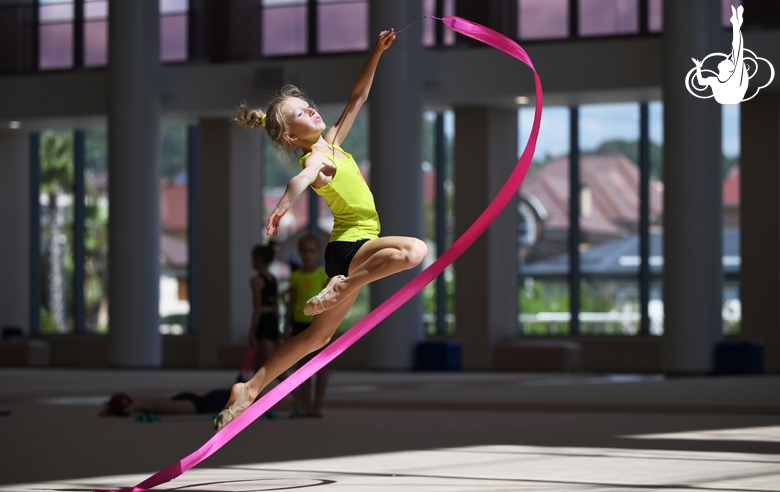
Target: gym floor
{"x": 404, "y": 431}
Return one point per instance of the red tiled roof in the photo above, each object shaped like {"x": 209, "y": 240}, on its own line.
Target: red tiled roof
{"x": 173, "y": 208}
{"x": 613, "y": 181}
{"x": 731, "y": 188}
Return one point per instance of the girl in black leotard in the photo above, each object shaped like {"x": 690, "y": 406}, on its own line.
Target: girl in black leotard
{"x": 264, "y": 330}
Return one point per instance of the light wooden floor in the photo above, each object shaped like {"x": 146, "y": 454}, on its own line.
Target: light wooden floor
{"x": 406, "y": 432}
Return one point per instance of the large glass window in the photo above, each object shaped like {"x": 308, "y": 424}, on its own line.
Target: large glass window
{"x": 95, "y": 231}
{"x": 656, "y": 259}
{"x": 608, "y": 226}
{"x": 438, "y": 196}
{"x": 543, "y": 227}
{"x": 609, "y": 218}
{"x": 56, "y": 222}
{"x": 174, "y": 248}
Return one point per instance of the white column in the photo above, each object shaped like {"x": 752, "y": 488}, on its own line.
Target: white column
{"x": 134, "y": 184}
{"x": 486, "y": 274}
{"x": 693, "y": 216}
{"x": 15, "y": 226}
{"x": 760, "y": 225}
{"x": 231, "y": 223}
{"x": 395, "y": 106}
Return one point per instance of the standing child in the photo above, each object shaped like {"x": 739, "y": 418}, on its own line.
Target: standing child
{"x": 264, "y": 328}
{"x": 355, "y": 255}
{"x": 305, "y": 283}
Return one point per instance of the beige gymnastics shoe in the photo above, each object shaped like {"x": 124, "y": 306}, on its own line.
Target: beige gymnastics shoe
{"x": 316, "y": 304}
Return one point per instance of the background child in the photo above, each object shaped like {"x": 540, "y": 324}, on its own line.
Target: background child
{"x": 264, "y": 328}
{"x": 306, "y": 282}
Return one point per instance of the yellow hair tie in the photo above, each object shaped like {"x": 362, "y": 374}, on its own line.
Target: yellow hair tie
{"x": 262, "y": 120}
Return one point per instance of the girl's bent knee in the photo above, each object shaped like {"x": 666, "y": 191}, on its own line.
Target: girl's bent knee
{"x": 417, "y": 252}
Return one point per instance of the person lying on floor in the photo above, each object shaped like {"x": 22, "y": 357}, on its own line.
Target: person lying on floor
{"x": 122, "y": 404}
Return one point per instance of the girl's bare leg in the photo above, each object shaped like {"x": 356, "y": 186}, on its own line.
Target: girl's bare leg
{"x": 314, "y": 337}
{"x": 264, "y": 349}
{"x": 376, "y": 259}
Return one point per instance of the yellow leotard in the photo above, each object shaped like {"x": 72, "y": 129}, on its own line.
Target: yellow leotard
{"x": 306, "y": 285}
{"x": 350, "y": 200}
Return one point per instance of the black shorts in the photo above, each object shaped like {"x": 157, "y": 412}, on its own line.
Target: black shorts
{"x": 338, "y": 256}
{"x": 267, "y": 327}
{"x": 211, "y": 402}
{"x": 296, "y": 327}
{"x": 195, "y": 399}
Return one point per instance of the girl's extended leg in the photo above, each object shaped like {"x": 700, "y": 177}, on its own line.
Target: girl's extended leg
{"x": 375, "y": 259}
{"x": 265, "y": 348}
{"x": 315, "y": 336}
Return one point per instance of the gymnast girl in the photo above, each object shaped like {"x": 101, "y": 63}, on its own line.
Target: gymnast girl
{"x": 355, "y": 254}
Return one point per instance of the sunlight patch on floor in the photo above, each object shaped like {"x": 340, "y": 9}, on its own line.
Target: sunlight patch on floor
{"x": 483, "y": 468}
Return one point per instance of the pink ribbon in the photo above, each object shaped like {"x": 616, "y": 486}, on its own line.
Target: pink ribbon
{"x": 504, "y": 196}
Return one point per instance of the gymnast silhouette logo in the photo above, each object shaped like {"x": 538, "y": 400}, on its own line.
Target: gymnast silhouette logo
{"x": 730, "y": 84}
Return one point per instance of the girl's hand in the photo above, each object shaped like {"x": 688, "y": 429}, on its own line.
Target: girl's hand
{"x": 697, "y": 62}
{"x": 386, "y": 38}
{"x": 272, "y": 229}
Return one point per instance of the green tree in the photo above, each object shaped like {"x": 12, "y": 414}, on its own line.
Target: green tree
{"x": 174, "y": 149}
{"x": 56, "y": 155}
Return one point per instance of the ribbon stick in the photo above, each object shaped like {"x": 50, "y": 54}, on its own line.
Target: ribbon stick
{"x": 245, "y": 373}
{"x": 504, "y": 196}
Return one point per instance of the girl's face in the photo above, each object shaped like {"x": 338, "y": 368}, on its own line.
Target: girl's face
{"x": 304, "y": 123}
{"x": 309, "y": 252}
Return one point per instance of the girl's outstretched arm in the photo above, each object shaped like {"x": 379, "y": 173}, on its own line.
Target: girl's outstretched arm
{"x": 338, "y": 132}
{"x": 312, "y": 167}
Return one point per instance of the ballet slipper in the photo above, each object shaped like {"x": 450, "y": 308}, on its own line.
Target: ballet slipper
{"x": 316, "y": 304}
{"x": 228, "y": 414}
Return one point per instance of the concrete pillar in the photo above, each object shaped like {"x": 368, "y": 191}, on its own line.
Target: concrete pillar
{"x": 134, "y": 184}
{"x": 15, "y": 223}
{"x": 760, "y": 225}
{"x": 231, "y": 223}
{"x": 693, "y": 209}
{"x": 396, "y": 174}
{"x": 486, "y": 275}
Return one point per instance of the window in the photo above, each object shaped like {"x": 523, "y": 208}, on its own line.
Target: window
{"x": 95, "y": 33}
{"x": 342, "y": 26}
{"x": 543, "y": 227}
{"x": 608, "y": 17}
{"x": 55, "y": 34}
{"x": 542, "y": 19}
{"x": 173, "y": 30}
{"x": 285, "y": 29}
